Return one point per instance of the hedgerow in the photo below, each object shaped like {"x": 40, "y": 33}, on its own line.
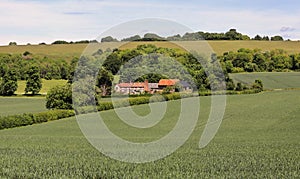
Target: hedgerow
{"x": 29, "y": 119}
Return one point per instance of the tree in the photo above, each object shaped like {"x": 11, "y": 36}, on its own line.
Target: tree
{"x": 151, "y": 77}
{"x": 59, "y": 97}
{"x": 26, "y": 53}
{"x": 257, "y": 37}
{"x": 258, "y": 85}
{"x": 276, "y": 38}
{"x": 239, "y": 87}
{"x": 104, "y": 81}
{"x": 9, "y": 83}
{"x": 266, "y": 38}
{"x": 60, "y": 42}
{"x": 232, "y": 34}
{"x": 230, "y": 84}
{"x": 108, "y": 39}
{"x": 34, "y": 82}
{"x": 152, "y": 36}
{"x": 12, "y": 43}
{"x": 133, "y": 38}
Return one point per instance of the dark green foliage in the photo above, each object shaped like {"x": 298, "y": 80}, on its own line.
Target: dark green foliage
{"x": 12, "y": 43}
{"x": 257, "y": 37}
{"x": 151, "y": 57}
{"x": 9, "y": 83}
{"x": 60, "y": 42}
{"x": 230, "y": 84}
{"x": 152, "y": 78}
{"x": 104, "y": 81}
{"x": 258, "y": 85}
{"x": 59, "y": 97}
{"x": 246, "y": 60}
{"x": 34, "y": 82}
{"x": 133, "y": 38}
{"x": 49, "y": 68}
{"x": 168, "y": 90}
{"x": 26, "y": 53}
{"x": 276, "y": 38}
{"x": 239, "y": 87}
{"x": 232, "y": 34}
{"x": 108, "y": 39}
{"x": 29, "y": 119}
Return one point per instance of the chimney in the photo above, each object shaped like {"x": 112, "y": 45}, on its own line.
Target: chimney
{"x": 146, "y": 86}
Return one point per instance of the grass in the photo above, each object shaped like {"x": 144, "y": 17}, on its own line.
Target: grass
{"x": 259, "y": 138}
{"x": 59, "y": 51}
{"x": 19, "y": 105}
{"x": 69, "y": 51}
{"x": 224, "y": 46}
{"x": 47, "y": 85}
{"x": 271, "y": 80}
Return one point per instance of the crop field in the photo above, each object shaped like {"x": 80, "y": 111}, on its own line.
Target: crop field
{"x": 52, "y": 51}
{"x": 69, "y": 51}
{"x": 19, "y": 105}
{"x": 47, "y": 85}
{"x": 259, "y": 138}
{"x": 271, "y": 80}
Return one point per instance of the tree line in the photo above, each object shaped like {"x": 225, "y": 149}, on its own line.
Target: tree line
{"x": 247, "y": 60}
{"x": 232, "y": 34}
{"x": 15, "y": 67}
{"x": 145, "y": 59}
{"x": 26, "y": 66}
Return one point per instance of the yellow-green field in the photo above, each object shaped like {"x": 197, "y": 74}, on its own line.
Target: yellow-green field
{"x": 68, "y": 51}
{"x": 258, "y": 138}
{"x": 47, "y": 85}
{"x": 52, "y": 51}
{"x": 19, "y": 105}
{"x": 271, "y": 80}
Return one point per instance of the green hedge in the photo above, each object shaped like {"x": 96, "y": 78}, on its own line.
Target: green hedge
{"x": 107, "y": 105}
{"x": 29, "y": 119}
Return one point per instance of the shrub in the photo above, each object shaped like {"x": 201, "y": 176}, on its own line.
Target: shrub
{"x": 59, "y": 97}
{"x": 29, "y": 119}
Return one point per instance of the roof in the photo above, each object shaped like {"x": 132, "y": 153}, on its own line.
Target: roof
{"x": 167, "y": 82}
{"x": 132, "y": 85}
{"x": 153, "y": 85}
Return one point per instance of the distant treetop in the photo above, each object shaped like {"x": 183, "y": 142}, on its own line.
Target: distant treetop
{"x": 232, "y": 34}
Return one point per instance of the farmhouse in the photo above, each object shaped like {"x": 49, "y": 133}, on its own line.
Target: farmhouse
{"x": 141, "y": 87}
{"x": 132, "y": 88}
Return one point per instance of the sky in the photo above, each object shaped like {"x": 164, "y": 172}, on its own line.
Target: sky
{"x": 36, "y": 21}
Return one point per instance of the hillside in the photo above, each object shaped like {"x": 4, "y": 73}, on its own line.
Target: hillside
{"x": 271, "y": 80}
{"x": 258, "y": 138}
{"x": 68, "y": 51}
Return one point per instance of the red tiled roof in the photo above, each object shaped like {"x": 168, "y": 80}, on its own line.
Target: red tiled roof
{"x": 167, "y": 82}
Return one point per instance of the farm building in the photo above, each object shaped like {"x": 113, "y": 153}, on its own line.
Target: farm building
{"x": 141, "y": 87}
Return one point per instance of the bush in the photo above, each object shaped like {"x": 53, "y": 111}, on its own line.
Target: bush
{"x": 29, "y": 119}
{"x": 59, "y": 97}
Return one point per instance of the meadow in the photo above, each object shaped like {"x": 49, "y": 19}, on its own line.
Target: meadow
{"x": 19, "y": 105}
{"x": 259, "y": 138}
{"x": 271, "y": 80}
{"x": 69, "y": 51}
{"x": 46, "y": 86}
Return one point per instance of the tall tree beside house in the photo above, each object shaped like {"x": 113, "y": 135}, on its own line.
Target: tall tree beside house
{"x": 104, "y": 81}
{"x": 34, "y": 82}
{"x": 9, "y": 83}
